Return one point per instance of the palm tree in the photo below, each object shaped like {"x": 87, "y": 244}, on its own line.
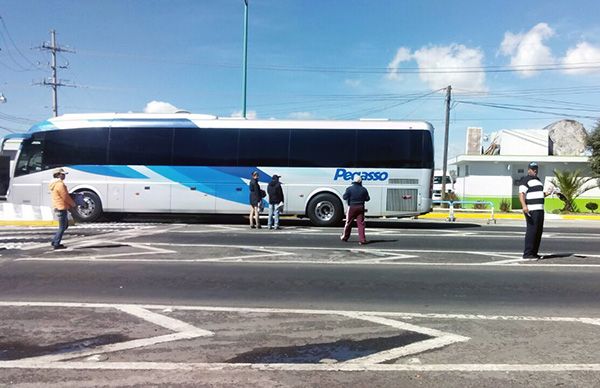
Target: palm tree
{"x": 571, "y": 185}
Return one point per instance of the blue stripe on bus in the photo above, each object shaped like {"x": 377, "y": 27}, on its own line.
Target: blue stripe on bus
{"x": 43, "y": 126}
{"x": 227, "y": 180}
{"x": 113, "y": 171}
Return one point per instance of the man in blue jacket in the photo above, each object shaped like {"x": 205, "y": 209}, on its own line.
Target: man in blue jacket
{"x": 356, "y": 196}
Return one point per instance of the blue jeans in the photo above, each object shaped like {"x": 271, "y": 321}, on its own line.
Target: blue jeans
{"x": 273, "y": 214}
{"x": 63, "y": 224}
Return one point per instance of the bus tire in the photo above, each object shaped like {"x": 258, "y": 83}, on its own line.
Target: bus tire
{"x": 93, "y": 209}
{"x": 325, "y": 209}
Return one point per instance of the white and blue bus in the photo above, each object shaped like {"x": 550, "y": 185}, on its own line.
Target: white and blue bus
{"x": 189, "y": 163}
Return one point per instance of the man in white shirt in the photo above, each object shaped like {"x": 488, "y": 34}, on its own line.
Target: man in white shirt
{"x": 531, "y": 195}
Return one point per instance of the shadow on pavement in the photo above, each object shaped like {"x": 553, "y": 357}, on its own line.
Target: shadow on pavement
{"x": 388, "y": 223}
{"x": 560, "y": 255}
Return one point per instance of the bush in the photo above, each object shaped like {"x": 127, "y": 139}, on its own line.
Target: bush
{"x": 591, "y": 206}
{"x": 505, "y": 205}
{"x": 556, "y": 211}
{"x": 480, "y": 205}
{"x": 451, "y": 197}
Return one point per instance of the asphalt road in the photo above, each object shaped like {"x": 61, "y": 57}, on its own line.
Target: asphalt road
{"x": 538, "y": 287}
{"x": 175, "y": 302}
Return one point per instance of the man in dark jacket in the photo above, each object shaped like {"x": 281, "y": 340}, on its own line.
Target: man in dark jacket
{"x": 356, "y": 196}
{"x": 275, "y": 201}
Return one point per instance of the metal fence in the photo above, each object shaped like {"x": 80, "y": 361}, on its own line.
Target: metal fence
{"x": 452, "y": 218}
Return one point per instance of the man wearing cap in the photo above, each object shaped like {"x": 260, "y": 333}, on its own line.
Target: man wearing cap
{"x": 531, "y": 195}
{"x": 275, "y": 201}
{"x": 61, "y": 202}
{"x": 356, "y": 196}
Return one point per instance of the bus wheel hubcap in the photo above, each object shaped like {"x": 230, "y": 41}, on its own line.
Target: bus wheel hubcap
{"x": 324, "y": 210}
{"x": 89, "y": 208}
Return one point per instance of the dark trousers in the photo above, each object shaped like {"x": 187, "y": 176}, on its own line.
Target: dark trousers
{"x": 63, "y": 224}
{"x": 533, "y": 234}
{"x": 355, "y": 212}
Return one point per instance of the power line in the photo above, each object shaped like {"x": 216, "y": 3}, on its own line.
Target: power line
{"x": 517, "y": 108}
{"x": 589, "y": 65}
{"x": 6, "y": 32}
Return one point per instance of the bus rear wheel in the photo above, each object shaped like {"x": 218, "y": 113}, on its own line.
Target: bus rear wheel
{"x": 325, "y": 210}
{"x": 91, "y": 211}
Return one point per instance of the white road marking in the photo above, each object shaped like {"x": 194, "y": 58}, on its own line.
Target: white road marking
{"x": 162, "y": 320}
{"x": 133, "y": 344}
{"x": 391, "y": 314}
{"x": 145, "y": 250}
{"x": 367, "y": 363}
{"x": 182, "y": 330}
{"x": 408, "y": 350}
{"x": 404, "y": 233}
{"x": 441, "y": 339}
{"x": 513, "y": 260}
{"x": 341, "y": 367}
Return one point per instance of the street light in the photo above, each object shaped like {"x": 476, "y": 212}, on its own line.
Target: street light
{"x": 245, "y": 65}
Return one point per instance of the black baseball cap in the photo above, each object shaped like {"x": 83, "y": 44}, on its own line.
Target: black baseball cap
{"x": 533, "y": 166}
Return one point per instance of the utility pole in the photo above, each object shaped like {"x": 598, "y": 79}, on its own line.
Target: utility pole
{"x": 245, "y": 65}
{"x": 54, "y": 81}
{"x": 446, "y": 130}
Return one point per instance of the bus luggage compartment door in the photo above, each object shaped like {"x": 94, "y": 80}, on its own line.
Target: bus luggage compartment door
{"x": 151, "y": 197}
{"x": 193, "y": 197}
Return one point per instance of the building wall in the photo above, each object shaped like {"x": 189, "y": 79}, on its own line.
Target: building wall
{"x": 494, "y": 182}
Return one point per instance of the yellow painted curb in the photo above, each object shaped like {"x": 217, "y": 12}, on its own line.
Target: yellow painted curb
{"x": 474, "y": 216}
{"x": 27, "y": 223}
{"x": 582, "y": 217}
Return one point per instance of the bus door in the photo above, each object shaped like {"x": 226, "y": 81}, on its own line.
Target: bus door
{"x": 26, "y": 185}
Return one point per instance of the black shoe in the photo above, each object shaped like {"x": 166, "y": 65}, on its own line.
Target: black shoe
{"x": 60, "y": 246}
{"x": 258, "y": 227}
{"x": 252, "y": 227}
{"x": 532, "y": 257}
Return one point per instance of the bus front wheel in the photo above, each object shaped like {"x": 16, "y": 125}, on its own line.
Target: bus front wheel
{"x": 91, "y": 211}
{"x": 325, "y": 210}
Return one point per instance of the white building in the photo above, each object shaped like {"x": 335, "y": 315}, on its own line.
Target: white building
{"x": 493, "y": 174}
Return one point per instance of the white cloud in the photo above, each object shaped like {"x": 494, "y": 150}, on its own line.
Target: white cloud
{"x": 447, "y": 58}
{"x": 581, "y": 56}
{"x": 160, "y": 107}
{"x": 250, "y": 114}
{"x": 437, "y": 62}
{"x": 301, "y": 115}
{"x": 402, "y": 55}
{"x": 528, "y": 49}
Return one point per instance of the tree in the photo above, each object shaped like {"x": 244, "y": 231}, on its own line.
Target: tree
{"x": 593, "y": 143}
{"x": 571, "y": 185}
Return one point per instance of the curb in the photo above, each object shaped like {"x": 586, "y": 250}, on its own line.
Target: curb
{"x": 26, "y": 215}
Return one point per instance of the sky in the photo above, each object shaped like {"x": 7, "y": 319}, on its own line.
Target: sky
{"x": 511, "y": 64}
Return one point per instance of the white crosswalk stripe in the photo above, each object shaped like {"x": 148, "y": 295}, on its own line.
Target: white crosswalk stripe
{"x": 22, "y": 238}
